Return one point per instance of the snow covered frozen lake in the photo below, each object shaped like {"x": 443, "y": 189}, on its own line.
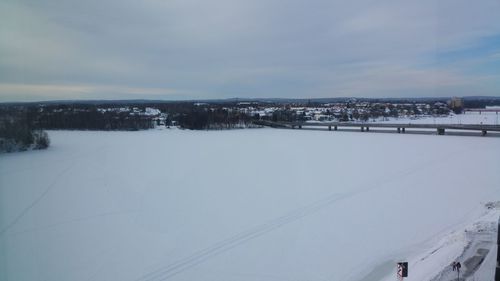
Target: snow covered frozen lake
{"x": 255, "y": 204}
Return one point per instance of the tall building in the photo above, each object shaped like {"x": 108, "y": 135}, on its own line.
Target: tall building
{"x": 456, "y": 103}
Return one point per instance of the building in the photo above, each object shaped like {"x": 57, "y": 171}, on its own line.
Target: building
{"x": 456, "y": 103}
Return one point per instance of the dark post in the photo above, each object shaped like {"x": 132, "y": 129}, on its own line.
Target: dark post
{"x": 403, "y": 129}
{"x": 335, "y": 128}
{"x": 329, "y": 128}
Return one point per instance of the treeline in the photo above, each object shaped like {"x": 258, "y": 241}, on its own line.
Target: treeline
{"x": 17, "y": 133}
{"x": 108, "y": 117}
{"x": 481, "y": 102}
{"x": 210, "y": 118}
{"x": 186, "y": 115}
{"x": 92, "y": 120}
{"x": 84, "y": 117}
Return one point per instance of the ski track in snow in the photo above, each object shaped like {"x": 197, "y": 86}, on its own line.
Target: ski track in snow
{"x": 75, "y": 220}
{"x": 225, "y": 245}
{"x": 73, "y": 157}
{"x": 36, "y": 201}
{"x": 220, "y": 247}
{"x": 101, "y": 260}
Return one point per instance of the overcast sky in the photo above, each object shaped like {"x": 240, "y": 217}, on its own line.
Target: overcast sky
{"x": 197, "y": 49}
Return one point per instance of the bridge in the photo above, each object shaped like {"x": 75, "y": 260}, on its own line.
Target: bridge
{"x": 496, "y": 110}
{"x": 483, "y": 129}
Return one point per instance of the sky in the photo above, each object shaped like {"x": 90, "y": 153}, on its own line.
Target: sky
{"x": 199, "y": 49}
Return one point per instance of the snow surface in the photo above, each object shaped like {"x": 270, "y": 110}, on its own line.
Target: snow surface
{"x": 256, "y": 204}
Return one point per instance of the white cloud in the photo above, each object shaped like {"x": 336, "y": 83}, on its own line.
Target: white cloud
{"x": 40, "y": 92}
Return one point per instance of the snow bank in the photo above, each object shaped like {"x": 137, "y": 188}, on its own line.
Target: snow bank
{"x": 471, "y": 243}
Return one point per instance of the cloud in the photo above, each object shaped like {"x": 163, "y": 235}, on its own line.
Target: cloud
{"x": 41, "y": 92}
{"x": 223, "y": 48}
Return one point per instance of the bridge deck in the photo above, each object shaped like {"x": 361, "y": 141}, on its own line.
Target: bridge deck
{"x": 473, "y": 127}
{"x": 399, "y": 126}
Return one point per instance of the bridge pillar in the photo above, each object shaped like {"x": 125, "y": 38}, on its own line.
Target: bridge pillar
{"x": 483, "y": 133}
{"x": 403, "y": 130}
{"x": 440, "y": 131}
{"x": 399, "y": 130}
{"x": 335, "y": 128}
{"x": 329, "y": 128}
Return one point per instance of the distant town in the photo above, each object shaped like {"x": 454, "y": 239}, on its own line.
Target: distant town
{"x": 136, "y": 115}
{"x": 22, "y": 123}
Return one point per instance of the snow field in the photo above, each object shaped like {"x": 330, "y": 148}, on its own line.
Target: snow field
{"x": 257, "y": 204}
